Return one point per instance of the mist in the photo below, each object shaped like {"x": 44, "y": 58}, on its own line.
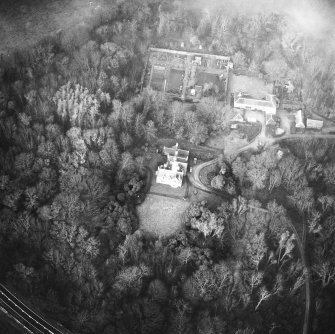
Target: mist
{"x": 25, "y": 22}
{"x": 313, "y": 18}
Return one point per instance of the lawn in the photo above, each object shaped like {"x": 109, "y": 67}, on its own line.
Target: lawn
{"x": 204, "y": 77}
{"x": 251, "y": 85}
{"x": 160, "y": 215}
{"x": 157, "y": 80}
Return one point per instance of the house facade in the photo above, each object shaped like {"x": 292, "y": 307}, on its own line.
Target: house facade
{"x": 174, "y": 169}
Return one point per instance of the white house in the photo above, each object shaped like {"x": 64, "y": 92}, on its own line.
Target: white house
{"x": 173, "y": 171}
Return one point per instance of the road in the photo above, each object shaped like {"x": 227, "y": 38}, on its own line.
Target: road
{"x": 23, "y": 314}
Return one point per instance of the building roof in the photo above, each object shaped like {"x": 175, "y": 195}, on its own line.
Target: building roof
{"x": 269, "y": 120}
{"x": 268, "y": 105}
{"x": 314, "y": 123}
{"x": 185, "y": 53}
{"x": 254, "y": 102}
{"x": 299, "y": 123}
{"x": 172, "y": 172}
{"x": 237, "y": 117}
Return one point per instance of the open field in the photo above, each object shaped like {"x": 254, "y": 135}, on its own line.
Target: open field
{"x": 204, "y": 77}
{"x": 157, "y": 80}
{"x": 254, "y": 86}
{"x": 161, "y": 215}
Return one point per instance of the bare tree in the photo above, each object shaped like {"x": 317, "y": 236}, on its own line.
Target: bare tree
{"x": 263, "y": 296}
{"x": 325, "y": 272}
{"x": 274, "y": 179}
{"x": 256, "y": 249}
{"x": 286, "y": 246}
{"x": 256, "y": 279}
{"x": 300, "y": 281}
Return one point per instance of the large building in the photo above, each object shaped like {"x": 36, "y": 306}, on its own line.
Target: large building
{"x": 172, "y": 172}
{"x": 188, "y": 75}
{"x": 268, "y": 106}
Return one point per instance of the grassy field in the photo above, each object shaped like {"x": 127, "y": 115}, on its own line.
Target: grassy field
{"x": 175, "y": 80}
{"x": 253, "y": 86}
{"x": 160, "y": 215}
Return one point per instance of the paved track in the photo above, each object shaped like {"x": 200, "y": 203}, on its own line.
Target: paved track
{"x": 22, "y": 313}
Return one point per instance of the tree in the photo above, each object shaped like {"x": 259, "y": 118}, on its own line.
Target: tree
{"x": 199, "y": 217}
{"x": 134, "y": 185}
{"x": 278, "y": 218}
{"x": 256, "y": 249}
{"x": 240, "y": 60}
{"x": 150, "y": 131}
{"x": 239, "y": 169}
{"x": 276, "y": 67}
{"x": 303, "y": 199}
{"x": 126, "y": 165}
{"x": 77, "y": 105}
{"x": 138, "y": 126}
{"x": 130, "y": 279}
{"x": 257, "y": 170}
{"x": 218, "y": 182}
{"x": 202, "y": 285}
{"x": 255, "y": 279}
{"x": 263, "y": 296}
{"x": 274, "y": 179}
{"x": 257, "y": 176}
{"x": 287, "y": 245}
{"x": 175, "y": 115}
{"x": 197, "y": 132}
{"x": 325, "y": 272}
{"x": 158, "y": 291}
{"x": 125, "y": 140}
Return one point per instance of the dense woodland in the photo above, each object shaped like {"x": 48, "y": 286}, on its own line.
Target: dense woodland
{"x": 73, "y": 123}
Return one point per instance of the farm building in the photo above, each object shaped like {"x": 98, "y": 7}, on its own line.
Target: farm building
{"x": 299, "y": 120}
{"x": 172, "y": 172}
{"x": 314, "y": 124}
